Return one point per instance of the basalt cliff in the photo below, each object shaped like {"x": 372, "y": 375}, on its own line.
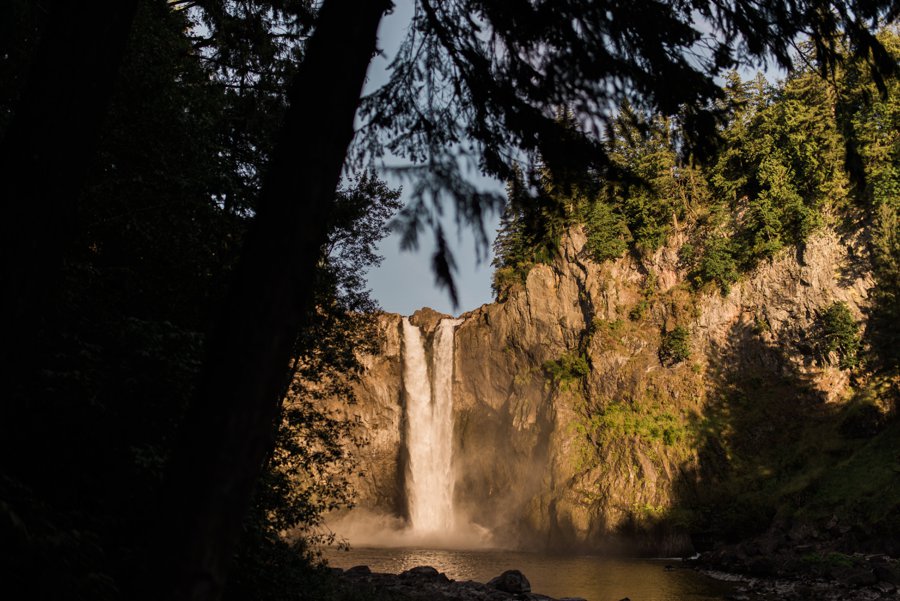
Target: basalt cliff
{"x": 610, "y": 407}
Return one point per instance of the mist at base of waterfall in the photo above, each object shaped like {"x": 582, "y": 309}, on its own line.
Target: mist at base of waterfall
{"x": 429, "y": 478}
{"x": 363, "y": 528}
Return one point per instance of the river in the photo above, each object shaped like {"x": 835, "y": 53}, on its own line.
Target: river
{"x": 591, "y": 577}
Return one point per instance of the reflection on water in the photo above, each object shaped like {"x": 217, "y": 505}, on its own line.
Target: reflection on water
{"x": 594, "y": 578}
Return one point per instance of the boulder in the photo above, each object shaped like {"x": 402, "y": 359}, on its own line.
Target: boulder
{"x": 421, "y": 571}
{"x": 425, "y": 573}
{"x": 887, "y": 573}
{"x": 359, "y": 570}
{"x": 511, "y": 581}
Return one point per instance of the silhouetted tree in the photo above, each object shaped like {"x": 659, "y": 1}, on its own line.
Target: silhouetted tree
{"x": 47, "y": 147}
{"x": 229, "y": 429}
{"x": 117, "y": 347}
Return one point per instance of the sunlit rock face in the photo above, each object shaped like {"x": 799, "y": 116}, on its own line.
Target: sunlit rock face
{"x": 378, "y": 411}
{"x": 512, "y": 426}
{"x": 532, "y": 463}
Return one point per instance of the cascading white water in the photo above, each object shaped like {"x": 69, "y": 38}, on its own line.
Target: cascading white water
{"x": 429, "y": 428}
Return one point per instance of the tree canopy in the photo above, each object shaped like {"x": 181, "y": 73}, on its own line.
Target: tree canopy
{"x": 481, "y": 84}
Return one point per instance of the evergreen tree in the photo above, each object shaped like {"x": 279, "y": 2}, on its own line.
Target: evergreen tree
{"x": 872, "y": 119}
{"x": 512, "y": 248}
{"x": 530, "y": 229}
{"x": 607, "y": 232}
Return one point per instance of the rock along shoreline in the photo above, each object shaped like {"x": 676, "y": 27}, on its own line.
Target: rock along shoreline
{"x": 795, "y": 576}
{"x": 425, "y": 583}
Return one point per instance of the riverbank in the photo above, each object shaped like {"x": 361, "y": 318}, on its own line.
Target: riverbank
{"x": 871, "y": 578}
{"x": 592, "y": 577}
{"x": 748, "y": 588}
{"x": 425, "y": 583}
{"x": 802, "y": 572}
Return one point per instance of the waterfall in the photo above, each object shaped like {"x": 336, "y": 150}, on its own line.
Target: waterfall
{"x": 429, "y": 427}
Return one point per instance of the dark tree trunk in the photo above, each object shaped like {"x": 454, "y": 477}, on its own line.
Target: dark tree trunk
{"x": 46, "y": 153}
{"x": 230, "y": 428}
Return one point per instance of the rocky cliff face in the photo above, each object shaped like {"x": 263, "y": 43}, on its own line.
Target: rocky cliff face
{"x": 569, "y": 431}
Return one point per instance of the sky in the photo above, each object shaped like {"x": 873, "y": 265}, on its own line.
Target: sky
{"x": 404, "y": 282}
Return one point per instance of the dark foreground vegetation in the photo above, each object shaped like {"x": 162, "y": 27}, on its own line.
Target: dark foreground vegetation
{"x": 187, "y": 212}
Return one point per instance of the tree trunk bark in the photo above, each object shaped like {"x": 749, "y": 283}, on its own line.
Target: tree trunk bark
{"x": 231, "y": 425}
{"x": 46, "y": 152}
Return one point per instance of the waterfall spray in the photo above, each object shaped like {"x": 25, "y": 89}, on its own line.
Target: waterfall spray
{"x": 429, "y": 423}
{"x": 432, "y": 520}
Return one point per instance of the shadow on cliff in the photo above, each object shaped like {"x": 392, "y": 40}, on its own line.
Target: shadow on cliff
{"x": 760, "y": 439}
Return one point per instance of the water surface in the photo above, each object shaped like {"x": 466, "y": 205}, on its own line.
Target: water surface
{"x": 591, "y": 577}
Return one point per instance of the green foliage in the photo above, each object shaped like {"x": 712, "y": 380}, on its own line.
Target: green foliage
{"x": 825, "y": 562}
{"x": 607, "y": 232}
{"x": 837, "y": 460}
{"x": 607, "y": 428}
{"x": 663, "y": 187}
{"x": 779, "y": 171}
{"x": 863, "y": 484}
{"x": 873, "y": 118}
{"x": 840, "y": 334}
{"x": 780, "y": 168}
{"x": 717, "y": 265}
{"x": 761, "y": 324}
{"x": 571, "y": 368}
{"x": 619, "y": 420}
{"x": 507, "y": 278}
{"x": 862, "y": 418}
{"x": 530, "y": 230}
{"x": 675, "y": 346}
{"x": 638, "y": 311}
{"x": 607, "y": 327}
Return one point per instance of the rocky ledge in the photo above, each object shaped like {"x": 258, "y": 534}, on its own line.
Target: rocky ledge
{"x": 801, "y": 572}
{"x": 425, "y": 583}
{"x": 802, "y": 588}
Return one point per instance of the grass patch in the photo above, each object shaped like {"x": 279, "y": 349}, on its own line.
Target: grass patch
{"x": 865, "y": 485}
{"x": 826, "y": 563}
{"x": 622, "y": 420}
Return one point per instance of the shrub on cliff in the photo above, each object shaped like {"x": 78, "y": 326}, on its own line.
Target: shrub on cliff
{"x": 716, "y": 265}
{"x": 675, "y": 347}
{"x": 840, "y": 335}
{"x": 569, "y": 368}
